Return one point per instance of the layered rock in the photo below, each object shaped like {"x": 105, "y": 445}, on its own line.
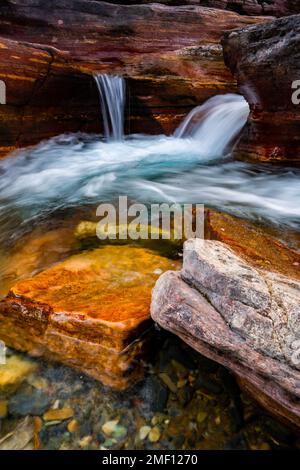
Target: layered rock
{"x": 49, "y": 52}
{"x": 266, "y": 62}
{"x": 90, "y": 312}
{"x": 244, "y": 318}
{"x": 263, "y": 248}
{"x": 243, "y": 7}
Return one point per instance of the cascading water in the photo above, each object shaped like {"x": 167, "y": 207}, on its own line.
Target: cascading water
{"x": 188, "y": 167}
{"x": 216, "y": 123}
{"x": 112, "y": 96}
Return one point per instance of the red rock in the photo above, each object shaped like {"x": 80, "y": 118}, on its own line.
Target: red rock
{"x": 265, "y": 60}
{"x": 168, "y": 72}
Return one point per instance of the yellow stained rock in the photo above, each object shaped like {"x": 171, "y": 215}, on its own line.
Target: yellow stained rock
{"x": 3, "y": 409}
{"x": 14, "y": 372}
{"x": 73, "y": 426}
{"x": 154, "y": 434}
{"x": 59, "y": 414}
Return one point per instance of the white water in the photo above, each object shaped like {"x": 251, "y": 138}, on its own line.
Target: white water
{"x": 112, "y": 97}
{"x": 216, "y": 123}
{"x": 72, "y": 170}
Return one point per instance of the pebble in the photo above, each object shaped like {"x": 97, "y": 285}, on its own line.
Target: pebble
{"x": 73, "y": 426}
{"x": 59, "y": 414}
{"x": 3, "y": 408}
{"x": 85, "y": 441}
{"x": 201, "y": 416}
{"x": 143, "y": 432}
{"x": 154, "y": 434}
{"x": 14, "y": 372}
{"x": 30, "y": 402}
{"x": 109, "y": 427}
{"x": 168, "y": 382}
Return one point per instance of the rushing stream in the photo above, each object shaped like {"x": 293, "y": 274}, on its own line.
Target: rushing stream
{"x": 47, "y": 189}
{"x": 192, "y": 166}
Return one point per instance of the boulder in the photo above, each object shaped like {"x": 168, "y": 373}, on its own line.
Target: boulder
{"x": 244, "y": 318}
{"x": 265, "y": 59}
{"x": 91, "y": 312}
{"x": 49, "y": 52}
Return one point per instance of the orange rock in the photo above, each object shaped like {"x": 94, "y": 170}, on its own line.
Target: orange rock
{"x": 59, "y": 414}
{"x": 261, "y": 247}
{"x": 89, "y": 312}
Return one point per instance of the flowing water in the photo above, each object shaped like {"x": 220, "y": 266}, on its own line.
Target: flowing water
{"x": 47, "y": 189}
{"x": 192, "y": 166}
{"x": 112, "y": 96}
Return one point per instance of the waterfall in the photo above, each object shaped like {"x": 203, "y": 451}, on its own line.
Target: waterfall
{"x": 216, "y": 123}
{"x": 112, "y": 96}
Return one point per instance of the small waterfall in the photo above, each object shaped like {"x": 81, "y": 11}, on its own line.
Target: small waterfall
{"x": 216, "y": 123}
{"x": 112, "y": 95}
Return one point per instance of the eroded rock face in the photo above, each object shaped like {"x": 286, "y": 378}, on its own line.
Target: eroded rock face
{"x": 266, "y": 62}
{"x": 90, "y": 312}
{"x": 49, "y": 52}
{"x": 245, "y": 319}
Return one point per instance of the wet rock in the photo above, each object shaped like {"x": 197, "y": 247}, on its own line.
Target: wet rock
{"x": 91, "y": 312}
{"x": 3, "y": 408}
{"x": 265, "y": 60}
{"x": 60, "y": 414}
{"x": 261, "y": 247}
{"x": 21, "y": 438}
{"x": 243, "y": 318}
{"x": 155, "y": 394}
{"x": 28, "y": 402}
{"x": 14, "y": 372}
{"x": 48, "y": 63}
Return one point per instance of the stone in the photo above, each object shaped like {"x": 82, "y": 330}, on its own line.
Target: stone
{"x": 48, "y": 65}
{"x": 244, "y": 318}
{"x": 109, "y": 427}
{"x": 14, "y": 372}
{"x": 143, "y": 432}
{"x": 154, "y": 434}
{"x": 3, "y": 409}
{"x": 28, "y": 402}
{"x": 21, "y": 438}
{"x": 91, "y": 312}
{"x": 73, "y": 426}
{"x": 265, "y": 61}
{"x": 263, "y": 248}
{"x": 60, "y": 414}
{"x": 256, "y": 7}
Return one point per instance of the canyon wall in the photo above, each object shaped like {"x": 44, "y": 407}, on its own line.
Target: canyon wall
{"x": 265, "y": 59}
{"x": 171, "y": 56}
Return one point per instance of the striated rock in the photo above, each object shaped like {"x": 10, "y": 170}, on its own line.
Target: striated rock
{"x": 243, "y": 7}
{"x": 90, "y": 312}
{"x": 49, "y": 52}
{"x": 244, "y": 318}
{"x": 13, "y": 373}
{"x": 265, "y": 59}
{"x": 261, "y": 247}
{"x": 256, "y": 7}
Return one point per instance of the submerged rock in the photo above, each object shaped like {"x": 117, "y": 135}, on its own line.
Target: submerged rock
{"x": 265, "y": 59}
{"x": 90, "y": 312}
{"x": 244, "y": 318}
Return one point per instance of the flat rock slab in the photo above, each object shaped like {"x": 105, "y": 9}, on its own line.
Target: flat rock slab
{"x": 90, "y": 312}
{"x": 244, "y": 318}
